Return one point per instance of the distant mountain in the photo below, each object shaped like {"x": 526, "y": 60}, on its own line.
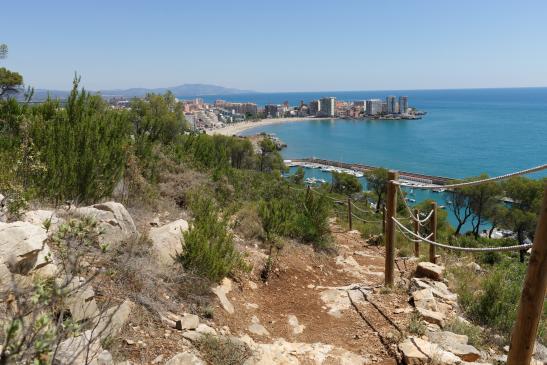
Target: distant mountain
{"x": 181, "y": 91}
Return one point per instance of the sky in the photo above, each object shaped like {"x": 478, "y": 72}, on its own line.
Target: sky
{"x": 276, "y": 46}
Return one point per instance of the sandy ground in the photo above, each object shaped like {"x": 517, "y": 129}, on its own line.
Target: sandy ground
{"x": 236, "y": 128}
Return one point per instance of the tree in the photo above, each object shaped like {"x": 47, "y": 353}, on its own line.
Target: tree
{"x": 269, "y": 158}
{"x": 522, "y": 215}
{"x": 461, "y": 208}
{"x": 9, "y": 82}
{"x": 377, "y": 180}
{"x": 343, "y": 183}
{"x": 482, "y": 198}
{"x": 298, "y": 177}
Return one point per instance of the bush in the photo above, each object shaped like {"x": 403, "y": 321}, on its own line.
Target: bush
{"x": 208, "y": 247}
{"x": 312, "y": 219}
{"x": 222, "y": 351}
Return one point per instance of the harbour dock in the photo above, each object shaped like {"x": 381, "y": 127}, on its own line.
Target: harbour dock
{"x": 403, "y": 175}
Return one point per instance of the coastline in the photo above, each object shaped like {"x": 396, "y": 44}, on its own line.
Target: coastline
{"x": 237, "y": 128}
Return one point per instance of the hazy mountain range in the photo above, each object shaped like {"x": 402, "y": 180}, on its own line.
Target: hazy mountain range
{"x": 181, "y": 91}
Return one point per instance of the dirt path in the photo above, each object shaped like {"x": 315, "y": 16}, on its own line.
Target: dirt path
{"x": 315, "y": 298}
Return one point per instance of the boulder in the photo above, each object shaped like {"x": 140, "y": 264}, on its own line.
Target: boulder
{"x": 110, "y": 323}
{"x": 424, "y": 299}
{"x": 437, "y": 318}
{"x": 417, "y": 351}
{"x": 113, "y": 219}
{"x": 430, "y": 270}
{"x": 167, "y": 240}
{"x": 456, "y": 344}
{"x": 79, "y": 350}
{"x": 438, "y": 288}
{"x": 23, "y": 248}
{"x": 189, "y": 322}
{"x": 38, "y": 217}
{"x": 81, "y": 300}
{"x": 185, "y": 358}
{"x": 105, "y": 358}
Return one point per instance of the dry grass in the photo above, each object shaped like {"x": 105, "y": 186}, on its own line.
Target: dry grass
{"x": 223, "y": 350}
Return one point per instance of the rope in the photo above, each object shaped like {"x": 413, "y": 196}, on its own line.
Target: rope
{"x": 363, "y": 210}
{"x": 476, "y": 182}
{"x": 466, "y": 249}
{"x": 412, "y": 239}
{"x": 364, "y": 220}
{"x": 407, "y": 206}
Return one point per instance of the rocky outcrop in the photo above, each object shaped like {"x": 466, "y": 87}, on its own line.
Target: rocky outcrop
{"x": 167, "y": 240}
{"x": 417, "y": 351}
{"x": 40, "y": 216}
{"x": 23, "y": 251}
{"x": 81, "y": 300}
{"x": 456, "y": 344}
{"x": 79, "y": 350}
{"x": 430, "y": 270}
{"x": 114, "y": 220}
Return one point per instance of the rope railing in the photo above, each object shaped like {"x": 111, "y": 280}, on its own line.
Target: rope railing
{"x": 475, "y": 182}
{"x": 369, "y": 210}
{"x": 364, "y": 220}
{"x": 412, "y": 216}
{"x": 464, "y": 249}
{"x": 413, "y": 240}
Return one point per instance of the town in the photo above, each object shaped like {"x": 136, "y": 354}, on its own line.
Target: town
{"x": 202, "y": 115}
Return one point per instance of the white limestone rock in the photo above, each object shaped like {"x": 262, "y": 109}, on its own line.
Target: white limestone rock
{"x": 113, "y": 219}
{"x": 185, "y": 358}
{"x": 430, "y": 270}
{"x": 220, "y": 291}
{"x": 167, "y": 240}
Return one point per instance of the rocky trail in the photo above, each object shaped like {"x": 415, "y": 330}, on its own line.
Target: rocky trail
{"x": 315, "y": 308}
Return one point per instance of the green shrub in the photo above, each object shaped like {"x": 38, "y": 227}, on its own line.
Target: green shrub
{"x": 83, "y": 147}
{"x": 208, "y": 247}
{"x": 312, "y": 219}
{"x": 222, "y": 350}
{"x": 474, "y": 333}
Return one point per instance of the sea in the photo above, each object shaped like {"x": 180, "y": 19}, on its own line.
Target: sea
{"x": 466, "y": 132}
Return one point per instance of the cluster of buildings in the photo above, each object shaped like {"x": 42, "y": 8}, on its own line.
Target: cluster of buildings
{"x": 204, "y": 115}
{"x": 391, "y": 108}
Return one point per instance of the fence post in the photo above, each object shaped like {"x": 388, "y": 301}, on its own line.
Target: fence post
{"x": 393, "y": 176}
{"x": 417, "y": 232}
{"x": 383, "y": 207}
{"x": 433, "y": 228}
{"x": 531, "y": 301}
{"x": 350, "y": 221}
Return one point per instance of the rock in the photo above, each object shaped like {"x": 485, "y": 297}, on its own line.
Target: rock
{"x": 430, "y": 270}
{"x": 456, "y": 344}
{"x": 417, "y": 351}
{"x": 38, "y": 217}
{"x": 23, "y": 249}
{"x": 221, "y": 290}
{"x": 205, "y": 329}
{"x": 540, "y": 352}
{"x": 474, "y": 266}
{"x": 185, "y": 358}
{"x": 80, "y": 350}
{"x": 424, "y": 299}
{"x": 432, "y": 317}
{"x": 112, "y": 320}
{"x": 291, "y": 353}
{"x": 158, "y": 359}
{"x": 80, "y": 300}
{"x": 167, "y": 240}
{"x": 438, "y": 288}
{"x": 192, "y": 335}
{"x": 105, "y": 358}
{"x": 297, "y": 328}
{"x": 189, "y": 322}
{"x": 256, "y": 328}
{"x": 113, "y": 219}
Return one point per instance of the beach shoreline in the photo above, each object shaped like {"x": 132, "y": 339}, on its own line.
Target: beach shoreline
{"x": 237, "y": 128}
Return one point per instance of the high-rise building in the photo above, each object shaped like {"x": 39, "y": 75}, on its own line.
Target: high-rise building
{"x": 315, "y": 107}
{"x": 391, "y": 105}
{"x": 403, "y": 104}
{"x": 373, "y": 106}
{"x": 327, "y": 107}
{"x": 273, "y": 110}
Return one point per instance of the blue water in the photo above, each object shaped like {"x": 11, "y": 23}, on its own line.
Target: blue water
{"x": 465, "y": 132}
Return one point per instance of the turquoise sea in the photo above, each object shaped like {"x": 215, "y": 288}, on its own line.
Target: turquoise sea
{"x": 465, "y": 132}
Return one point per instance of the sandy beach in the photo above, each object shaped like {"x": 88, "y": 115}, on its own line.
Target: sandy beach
{"x": 237, "y": 128}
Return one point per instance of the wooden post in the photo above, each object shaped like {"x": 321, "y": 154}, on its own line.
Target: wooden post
{"x": 531, "y": 301}
{"x": 417, "y": 232}
{"x": 433, "y": 228}
{"x": 383, "y": 207}
{"x": 393, "y": 176}
{"x": 350, "y": 221}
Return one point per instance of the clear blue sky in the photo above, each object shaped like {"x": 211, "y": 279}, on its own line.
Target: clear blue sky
{"x": 297, "y": 45}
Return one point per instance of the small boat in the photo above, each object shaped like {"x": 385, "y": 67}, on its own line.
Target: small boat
{"x": 449, "y": 202}
{"x": 442, "y": 207}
